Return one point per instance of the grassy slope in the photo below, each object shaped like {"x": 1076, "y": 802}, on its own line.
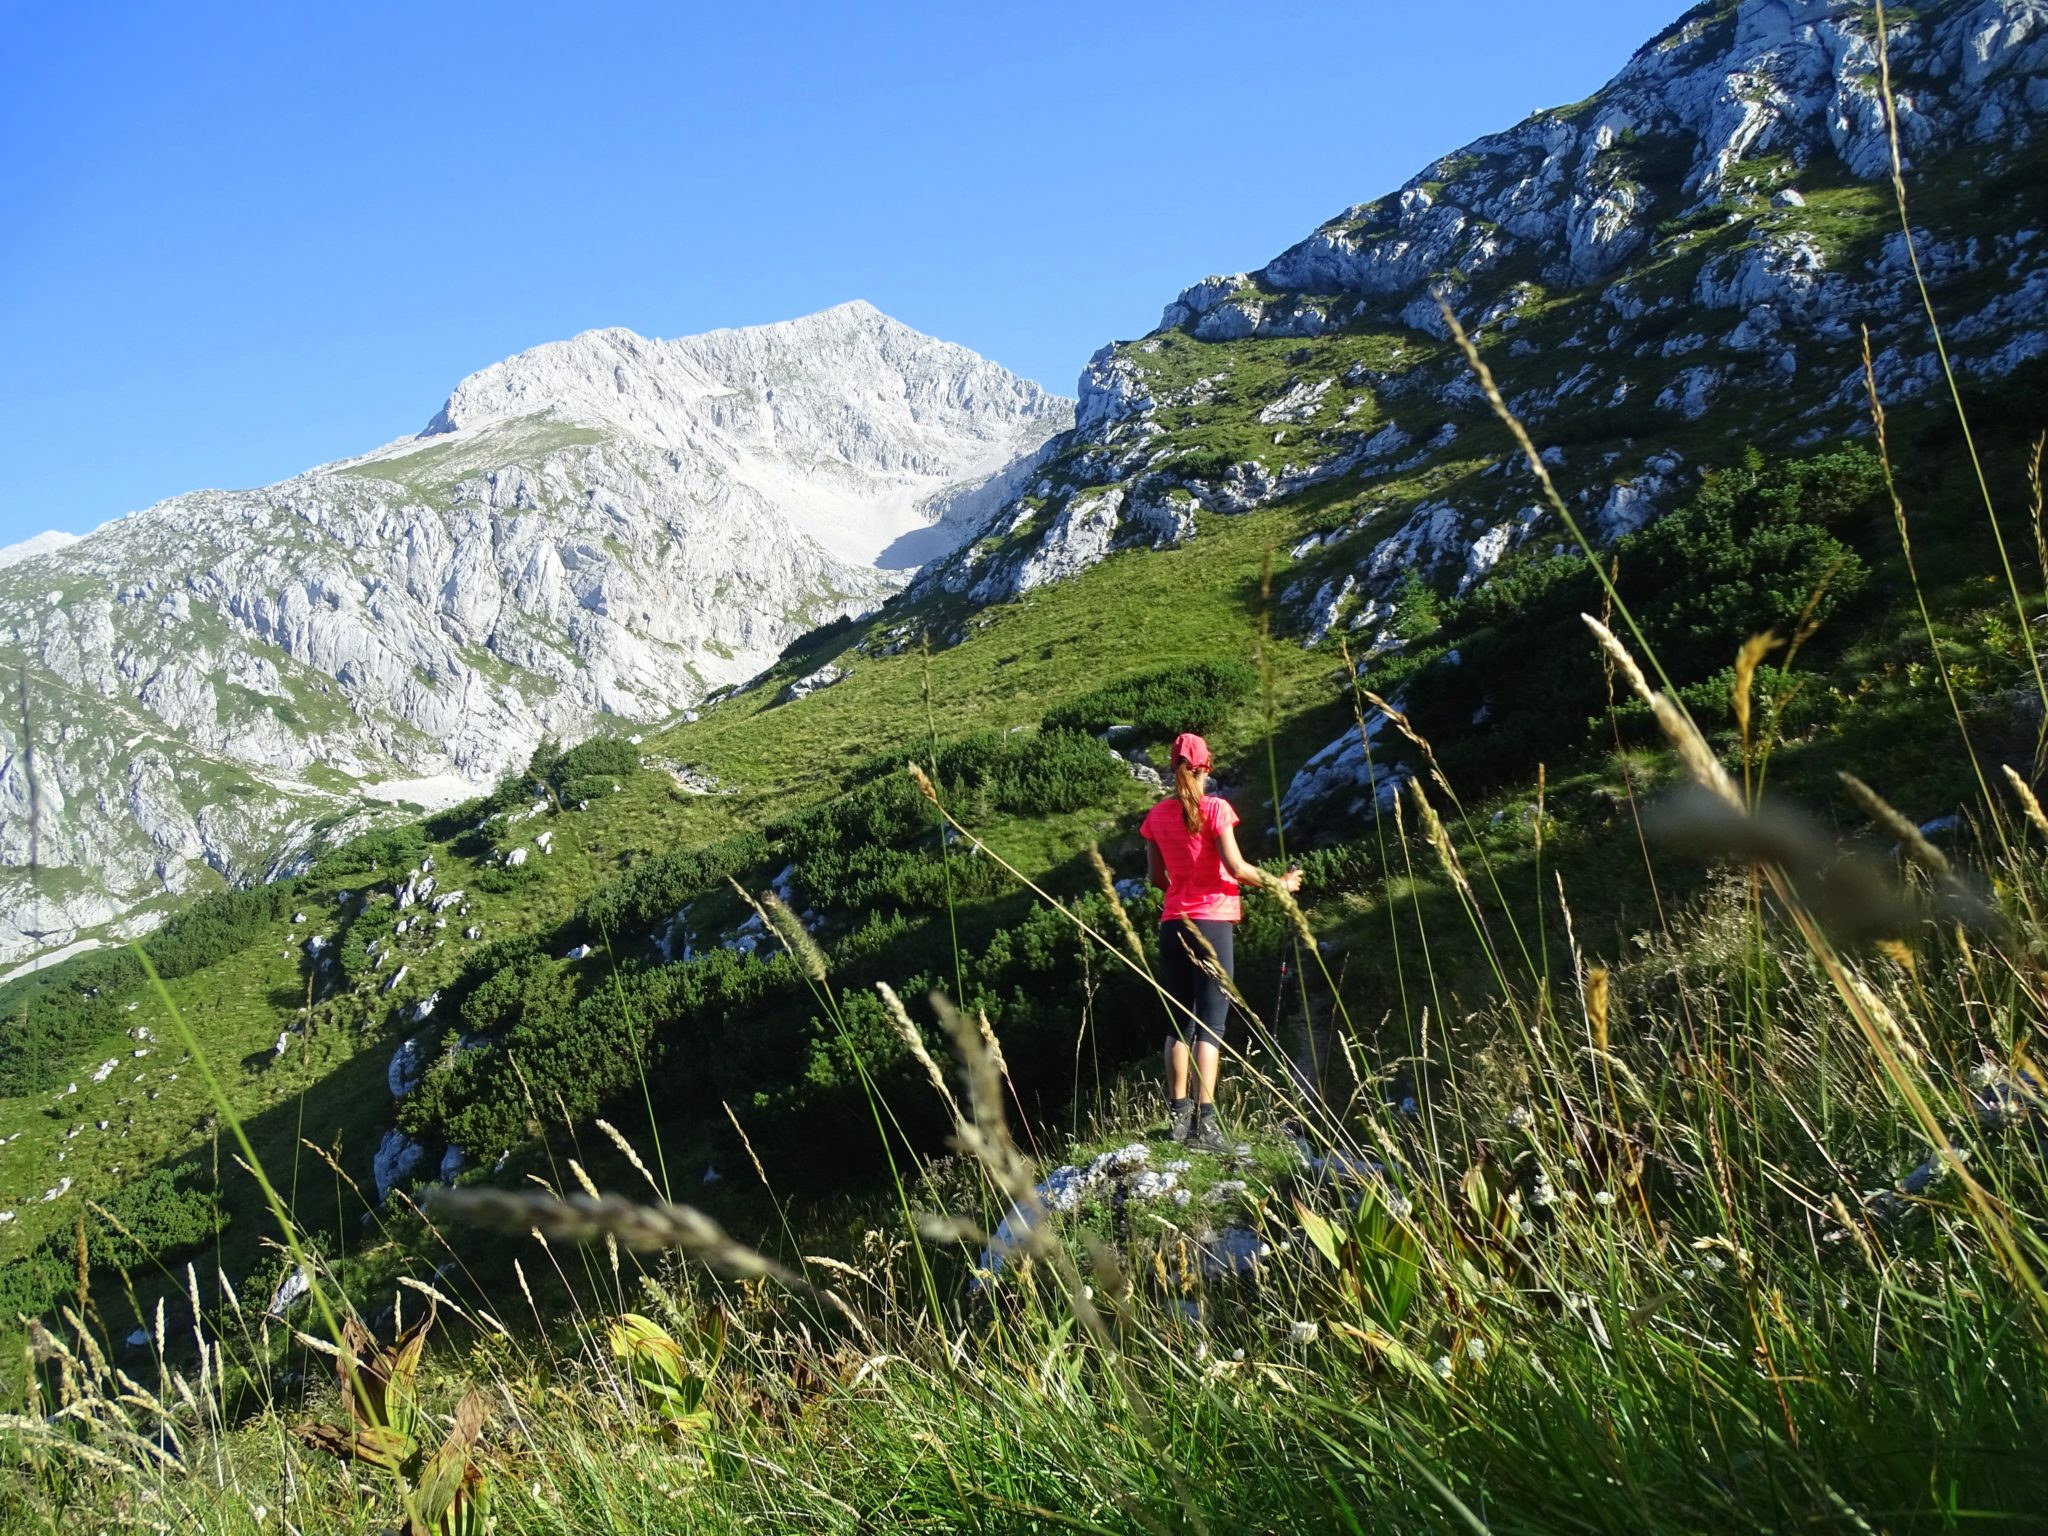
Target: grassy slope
{"x": 1020, "y": 660}
{"x": 1132, "y": 611}
{"x": 1062, "y": 641}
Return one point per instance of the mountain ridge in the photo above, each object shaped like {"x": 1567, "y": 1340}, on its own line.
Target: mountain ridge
{"x": 1659, "y": 276}
{"x": 1654, "y": 274}
{"x": 247, "y": 660}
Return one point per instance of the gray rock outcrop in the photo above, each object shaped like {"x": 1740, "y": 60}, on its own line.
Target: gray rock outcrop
{"x": 1687, "y": 254}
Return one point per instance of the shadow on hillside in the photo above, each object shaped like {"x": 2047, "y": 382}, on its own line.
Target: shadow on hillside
{"x": 918, "y": 546}
{"x": 344, "y": 1111}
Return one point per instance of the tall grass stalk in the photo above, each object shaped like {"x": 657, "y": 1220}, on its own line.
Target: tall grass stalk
{"x": 1889, "y": 102}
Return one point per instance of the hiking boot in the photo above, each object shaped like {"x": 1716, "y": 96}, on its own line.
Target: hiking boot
{"x": 1180, "y": 1118}
{"x": 1207, "y": 1135}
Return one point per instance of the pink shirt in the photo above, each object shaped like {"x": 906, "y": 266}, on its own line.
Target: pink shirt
{"x": 1197, "y": 884}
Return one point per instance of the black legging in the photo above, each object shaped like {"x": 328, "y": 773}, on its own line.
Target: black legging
{"x": 1184, "y": 970}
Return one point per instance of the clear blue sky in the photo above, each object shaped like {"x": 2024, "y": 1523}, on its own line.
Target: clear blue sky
{"x": 237, "y": 240}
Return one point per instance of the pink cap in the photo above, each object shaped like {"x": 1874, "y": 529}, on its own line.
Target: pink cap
{"x": 1195, "y": 750}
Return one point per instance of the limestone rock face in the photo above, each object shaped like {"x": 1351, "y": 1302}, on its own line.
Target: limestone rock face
{"x": 1792, "y": 78}
{"x": 1685, "y": 245}
{"x": 40, "y": 544}
{"x": 1341, "y": 779}
{"x": 610, "y": 525}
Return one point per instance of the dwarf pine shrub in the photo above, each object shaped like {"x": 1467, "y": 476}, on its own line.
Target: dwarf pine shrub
{"x": 1162, "y": 702}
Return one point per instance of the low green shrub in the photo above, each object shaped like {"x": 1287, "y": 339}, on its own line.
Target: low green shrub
{"x": 384, "y": 852}
{"x": 158, "y": 1218}
{"x": 589, "y": 768}
{"x": 499, "y": 879}
{"x": 51, "y": 1019}
{"x": 655, "y": 889}
{"x": 1186, "y": 696}
{"x": 1510, "y": 674}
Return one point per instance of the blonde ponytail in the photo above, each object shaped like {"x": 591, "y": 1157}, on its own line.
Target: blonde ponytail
{"x": 1187, "y": 784}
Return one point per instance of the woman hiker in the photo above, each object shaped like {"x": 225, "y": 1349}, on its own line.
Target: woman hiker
{"x": 1192, "y": 849}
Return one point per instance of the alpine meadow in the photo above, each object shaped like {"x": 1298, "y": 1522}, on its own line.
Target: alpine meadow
{"x": 592, "y": 969}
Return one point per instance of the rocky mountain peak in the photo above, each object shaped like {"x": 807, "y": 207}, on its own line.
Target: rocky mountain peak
{"x": 38, "y": 544}
{"x": 849, "y": 380}
{"x": 608, "y": 525}
{"x": 1729, "y": 99}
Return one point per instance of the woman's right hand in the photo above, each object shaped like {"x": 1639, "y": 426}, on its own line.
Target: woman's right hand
{"x": 1289, "y": 882}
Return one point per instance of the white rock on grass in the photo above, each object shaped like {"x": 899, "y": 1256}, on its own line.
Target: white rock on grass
{"x": 398, "y": 1159}
{"x": 1340, "y": 779}
{"x": 1232, "y": 1251}
{"x": 825, "y": 677}
{"x": 407, "y": 1066}
{"x": 289, "y": 1290}
{"x": 1153, "y": 1184}
{"x": 1327, "y": 607}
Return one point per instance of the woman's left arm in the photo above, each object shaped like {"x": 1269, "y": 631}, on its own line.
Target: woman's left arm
{"x": 1155, "y": 865}
{"x": 1246, "y": 873}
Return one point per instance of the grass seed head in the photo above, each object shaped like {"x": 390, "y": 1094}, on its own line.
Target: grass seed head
{"x": 2028, "y": 803}
{"x": 578, "y": 1218}
{"x": 1747, "y": 660}
{"x": 913, "y": 1037}
{"x": 795, "y": 937}
{"x": 1677, "y": 726}
{"x": 1900, "y": 826}
{"x": 1107, "y": 881}
{"x": 1439, "y": 839}
{"x": 619, "y": 1140}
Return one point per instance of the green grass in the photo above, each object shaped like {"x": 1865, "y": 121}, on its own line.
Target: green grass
{"x": 1129, "y": 613}
{"x": 432, "y": 470}
{"x": 1461, "y": 1350}
{"x": 1707, "y": 1324}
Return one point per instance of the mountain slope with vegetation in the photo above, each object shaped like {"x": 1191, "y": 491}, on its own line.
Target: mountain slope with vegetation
{"x": 1610, "y": 1160}
{"x": 606, "y": 528}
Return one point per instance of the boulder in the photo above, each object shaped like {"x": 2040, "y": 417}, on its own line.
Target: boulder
{"x": 408, "y": 1065}
{"x": 398, "y": 1159}
{"x": 812, "y": 682}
